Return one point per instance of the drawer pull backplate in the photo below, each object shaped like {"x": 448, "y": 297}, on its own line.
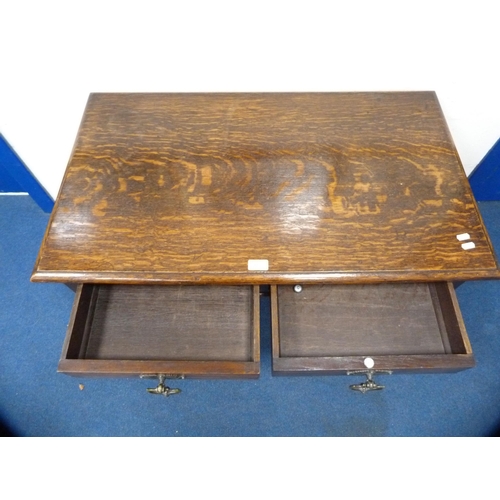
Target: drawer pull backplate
{"x": 369, "y": 384}
{"x": 161, "y": 388}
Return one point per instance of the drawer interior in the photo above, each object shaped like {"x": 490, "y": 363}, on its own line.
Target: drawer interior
{"x": 404, "y": 324}
{"x": 182, "y": 323}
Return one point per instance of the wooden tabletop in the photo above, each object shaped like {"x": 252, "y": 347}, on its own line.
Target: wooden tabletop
{"x": 317, "y": 187}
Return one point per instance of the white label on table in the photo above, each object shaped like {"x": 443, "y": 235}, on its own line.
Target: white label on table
{"x": 469, "y": 245}
{"x": 258, "y": 265}
{"x": 463, "y": 236}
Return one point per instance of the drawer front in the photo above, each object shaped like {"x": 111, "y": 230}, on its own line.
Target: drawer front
{"x": 339, "y": 328}
{"x": 190, "y": 331}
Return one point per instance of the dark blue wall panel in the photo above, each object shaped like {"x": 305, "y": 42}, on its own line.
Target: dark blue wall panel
{"x": 485, "y": 179}
{"x": 15, "y": 177}
{"x": 7, "y": 183}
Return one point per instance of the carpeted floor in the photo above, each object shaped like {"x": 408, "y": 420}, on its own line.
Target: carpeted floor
{"x": 36, "y": 401}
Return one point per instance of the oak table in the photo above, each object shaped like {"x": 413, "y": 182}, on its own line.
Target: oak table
{"x": 176, "y": 210}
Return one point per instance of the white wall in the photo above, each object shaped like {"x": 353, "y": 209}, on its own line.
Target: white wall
{"x": 54, "y": 53}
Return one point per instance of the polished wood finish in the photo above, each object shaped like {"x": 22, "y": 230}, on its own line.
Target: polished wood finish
{"x": 186, "y": 330}
{"x": 328, "y": 187}
{"x": 333, "y": 328}
{"x": 359, "y": 197}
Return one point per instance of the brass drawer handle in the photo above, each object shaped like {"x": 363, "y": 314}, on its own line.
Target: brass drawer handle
{"x": 369, "y": 384}
{"x": 161, "y": 388}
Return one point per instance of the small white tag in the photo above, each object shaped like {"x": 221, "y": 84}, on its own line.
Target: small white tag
{"x": 369, "y": 363}
{"x": 258, "y": 265}
{"x": 463, "y": 236}
{"x": 469, "y": 245}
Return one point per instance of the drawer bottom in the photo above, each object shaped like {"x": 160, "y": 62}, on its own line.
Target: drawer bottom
{"x": 334, "y": 328}
{"x": 185, "y": 330}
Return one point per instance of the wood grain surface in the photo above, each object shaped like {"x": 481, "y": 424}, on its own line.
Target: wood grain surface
{"x": 328, "y": 187}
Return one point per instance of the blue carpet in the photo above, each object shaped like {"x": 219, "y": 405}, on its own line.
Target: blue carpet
{"x": 36, "y": 401}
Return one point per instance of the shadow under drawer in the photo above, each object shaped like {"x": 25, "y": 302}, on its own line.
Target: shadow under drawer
{"x": 185, "y": 330}
{"x": 334, "y": 328}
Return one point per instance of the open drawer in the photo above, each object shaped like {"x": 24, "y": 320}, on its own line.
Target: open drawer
{"x": 185, "y": 331}
{"x": 384, "y": 327}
